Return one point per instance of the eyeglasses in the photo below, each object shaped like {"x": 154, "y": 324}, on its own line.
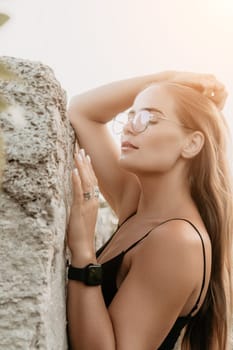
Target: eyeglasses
{"x": 140, "y": 121}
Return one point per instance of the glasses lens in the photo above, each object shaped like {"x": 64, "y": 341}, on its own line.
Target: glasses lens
{"x": 138, "y": 121}
{"x": 141, "y": 121}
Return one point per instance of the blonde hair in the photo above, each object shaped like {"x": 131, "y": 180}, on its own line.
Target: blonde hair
{"x": 211, "y": 189}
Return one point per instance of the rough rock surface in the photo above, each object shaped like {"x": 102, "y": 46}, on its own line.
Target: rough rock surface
{"x": 34, "y": 209}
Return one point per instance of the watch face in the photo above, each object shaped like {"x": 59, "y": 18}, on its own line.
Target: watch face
{"x": 94, "y": 275}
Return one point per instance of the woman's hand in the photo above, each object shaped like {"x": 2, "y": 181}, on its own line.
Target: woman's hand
{"x": 84, "y": 211}
{"x": 205, "y": 83}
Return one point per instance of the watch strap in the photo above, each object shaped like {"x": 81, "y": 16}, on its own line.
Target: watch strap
{"x": 91, "y": 274}
{"x": 76, "y": 273}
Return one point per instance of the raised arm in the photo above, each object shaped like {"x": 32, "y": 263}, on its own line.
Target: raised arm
{"x": 89, "y": 112}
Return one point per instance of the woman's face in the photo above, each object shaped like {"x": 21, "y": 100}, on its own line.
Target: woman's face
{"x": 158, "y": 148}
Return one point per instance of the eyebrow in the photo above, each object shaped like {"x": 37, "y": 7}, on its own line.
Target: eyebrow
{"x": 149, "y": 109}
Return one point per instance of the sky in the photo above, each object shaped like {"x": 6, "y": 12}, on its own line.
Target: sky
{"x": 92, "y": 42}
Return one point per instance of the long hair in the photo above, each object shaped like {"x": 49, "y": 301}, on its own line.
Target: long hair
{"x": 211, "y": 189}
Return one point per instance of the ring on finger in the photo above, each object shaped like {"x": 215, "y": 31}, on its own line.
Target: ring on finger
{"x": 87, "y": 196}
{"x": 96, "y": 192}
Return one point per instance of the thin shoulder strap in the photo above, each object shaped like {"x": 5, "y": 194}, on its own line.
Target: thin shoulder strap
{"x": 101, "y": 249}
{"x": 203, "y": 250}
{"x": 124, "y": 221}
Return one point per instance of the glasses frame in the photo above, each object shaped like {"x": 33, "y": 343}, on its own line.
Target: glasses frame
{"x": 151, "y": 119}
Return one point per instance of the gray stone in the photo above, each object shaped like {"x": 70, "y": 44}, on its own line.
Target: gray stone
{"x": 34, "y": 208}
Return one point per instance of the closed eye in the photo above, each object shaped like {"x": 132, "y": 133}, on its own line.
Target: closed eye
{"x": 155, "y": 116}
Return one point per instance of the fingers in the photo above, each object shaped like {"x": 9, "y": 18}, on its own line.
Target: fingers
{"x": 84, "y": 179}
{"x": 77, "y": 187}
{"x": 82, "y": 165}
{"x": 206, "y": 84}
{"x": 217, "y": 94}
{"x": 219, "y": 98}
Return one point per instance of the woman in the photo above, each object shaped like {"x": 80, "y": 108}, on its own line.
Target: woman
{"x": 168, "y": 264}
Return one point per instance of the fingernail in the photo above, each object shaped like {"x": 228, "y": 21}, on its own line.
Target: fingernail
{"x": 82, "y": 152}
{"x": 79, "y": 157}
{"x": 88, "y": 158}
{"x": 76, "y": 171}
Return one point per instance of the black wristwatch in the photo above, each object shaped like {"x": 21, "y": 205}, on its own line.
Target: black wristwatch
{"x": 91, "y": 274}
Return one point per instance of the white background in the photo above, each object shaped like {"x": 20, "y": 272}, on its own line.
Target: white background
{"x": 92, "y": 42}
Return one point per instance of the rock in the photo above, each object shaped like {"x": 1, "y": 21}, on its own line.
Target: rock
{"x": 1, "y": 158}
{"x": 34, "y": 208}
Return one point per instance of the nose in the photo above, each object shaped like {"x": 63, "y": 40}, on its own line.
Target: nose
{"x": 127, "y": 128}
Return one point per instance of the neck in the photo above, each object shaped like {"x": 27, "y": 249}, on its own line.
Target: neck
{"x": 165, "y": 195}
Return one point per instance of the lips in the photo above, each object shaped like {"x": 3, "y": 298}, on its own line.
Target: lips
{"x": 127, "y": 145}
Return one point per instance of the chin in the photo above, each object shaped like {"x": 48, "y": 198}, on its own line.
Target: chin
{"x": 128, "y": 165}
{"x": 124, "y": 162}
{"x": 144, "y": 168}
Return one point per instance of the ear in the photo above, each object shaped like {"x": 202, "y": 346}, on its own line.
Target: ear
{"x": 193, "y": 144}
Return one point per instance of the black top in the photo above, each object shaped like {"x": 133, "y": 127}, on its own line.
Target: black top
{"x": 109, "y": 287}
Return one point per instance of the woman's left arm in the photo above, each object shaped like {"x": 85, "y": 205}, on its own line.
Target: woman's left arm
{"x": 89, "y": 324}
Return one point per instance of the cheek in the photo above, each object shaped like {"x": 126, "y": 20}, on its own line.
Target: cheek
{"x": 162, "y": 152}
{"x": 158, "y": 152}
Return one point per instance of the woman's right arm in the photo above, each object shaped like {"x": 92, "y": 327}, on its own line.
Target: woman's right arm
{"x": 89, "y": 112}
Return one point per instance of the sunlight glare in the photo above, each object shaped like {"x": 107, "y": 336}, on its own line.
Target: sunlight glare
{"x": 221, "y": 7}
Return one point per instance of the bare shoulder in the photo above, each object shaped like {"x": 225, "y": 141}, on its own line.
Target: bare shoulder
{"x": 172, "y": 250}
{"x": 178, "y": 234}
